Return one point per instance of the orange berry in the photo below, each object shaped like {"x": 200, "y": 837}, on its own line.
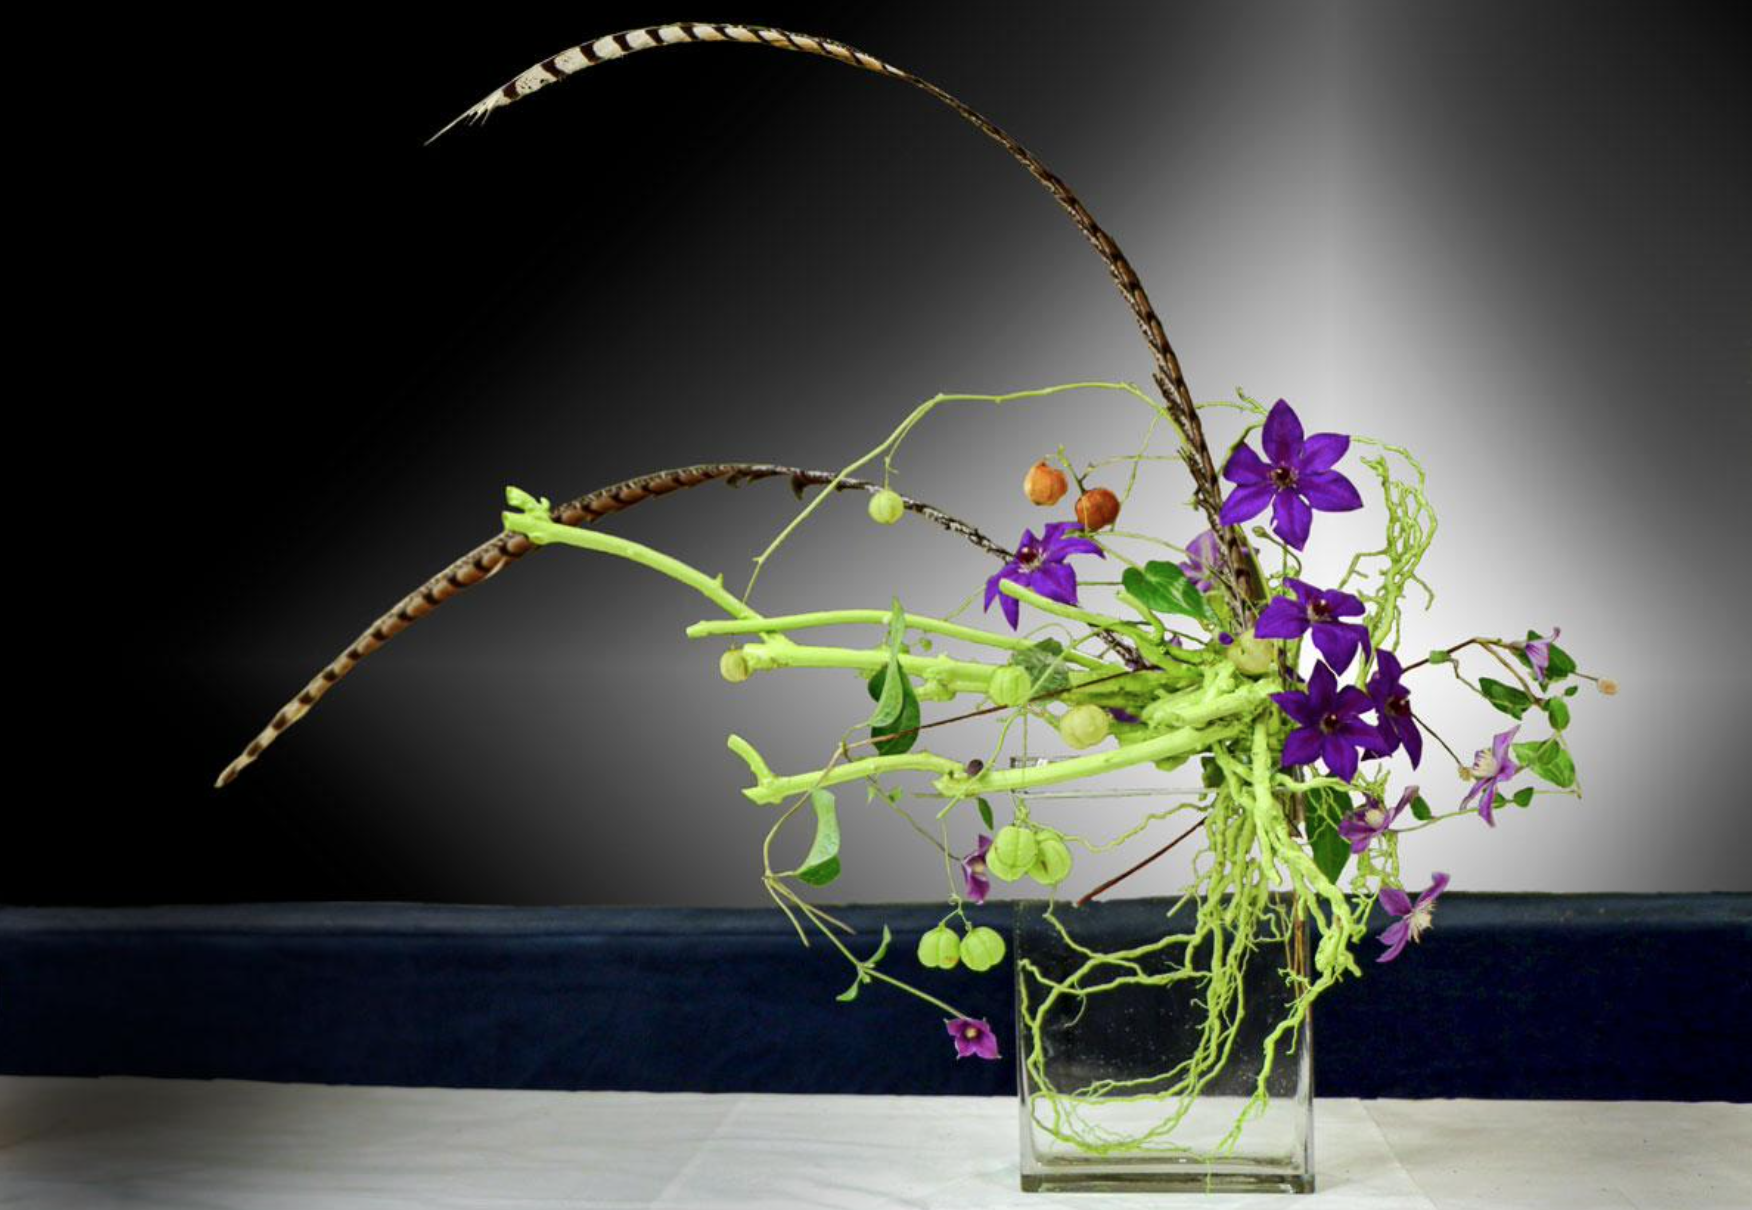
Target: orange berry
{"x": 1097, "y": 509}
{"x": 1044, "y": 485}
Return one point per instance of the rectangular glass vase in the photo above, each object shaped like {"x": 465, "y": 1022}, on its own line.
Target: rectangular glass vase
{"x": 1137, "y": 1086}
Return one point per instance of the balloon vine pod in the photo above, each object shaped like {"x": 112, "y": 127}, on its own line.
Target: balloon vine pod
{"x": 1221, "y": 661}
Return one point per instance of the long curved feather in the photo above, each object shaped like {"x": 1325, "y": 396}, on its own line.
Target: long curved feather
{"x": 494, "y": 555}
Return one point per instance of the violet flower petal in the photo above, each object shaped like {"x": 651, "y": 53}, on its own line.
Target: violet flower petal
{"x": 1245, "y": 503}
{"x": 1321, "y": 452}
{"x": 1291, "y": 518}
{"x": 1329, "y": 492}
{"x": 1281, "y": 436}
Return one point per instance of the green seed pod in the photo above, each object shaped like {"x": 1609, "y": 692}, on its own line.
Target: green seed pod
{"x": 1251, "y": 656}
{"x": 982, "y": 948}
{"x": 940, "y": 949}
{"x": 733, "y": 666}
{"x": 1010, "y": 686}
{"x": 1052, "y": 859}
{"x": 1085, "y": 726}
{"x": 1012, "y": 853}
{"x": 886, "y": 507}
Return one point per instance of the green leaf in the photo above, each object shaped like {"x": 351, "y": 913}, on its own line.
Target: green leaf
{"x": 1419, "y": 808}
{"x": 822, "y": 865}
{"x": 1571, "y": 691}
{"x": 1165, "y": 589}
{"x": 1331, "y": 851}
{"x": 1548, "y": 759}
{"x": 890, "y": 694}
{"x": 851, "y": 993}
{"x": 1045, "y": 665}
{"x": 904, "y": 728}
{"x": 1522, "y": 797}
{"x": 1510, "y": 700}
{"x": 1559, "y": 712}
{"x": 985, "y": 814}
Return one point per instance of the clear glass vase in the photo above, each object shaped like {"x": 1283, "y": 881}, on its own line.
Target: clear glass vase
{"x": 1138, "y": 1071}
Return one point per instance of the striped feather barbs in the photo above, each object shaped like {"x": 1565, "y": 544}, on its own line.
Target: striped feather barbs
{"x": 494, "y": 555}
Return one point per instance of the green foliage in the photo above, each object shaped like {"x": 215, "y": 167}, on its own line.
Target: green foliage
{"x": 1420, "y": 809}
{"x": 1522, "y": 797}
{"x": 1548, "y": 759}
{"x": 864, "y": 968}
{"x": 1510, "y": 700}
{"x": 1559, "y": 712}
{"x": 1164, "y": 588}
{"x": 1045, "y": 665}
{"x": 904, "y": 729}
{"x": 985, "y": 814}
{"x": 822, "y": 865}
{"x": 1331, "y": 851}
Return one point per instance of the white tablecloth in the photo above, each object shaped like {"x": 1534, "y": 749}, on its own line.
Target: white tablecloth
{"x": 195, "y": 1144}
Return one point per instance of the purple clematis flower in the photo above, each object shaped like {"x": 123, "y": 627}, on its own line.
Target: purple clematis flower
{"x": 1539, "y": 653}
{"x": 1298, "y": 479}
{"x": 1317, "y": 610}
{"x": 972, "y": 1038}
{"x": 1040, "y": 565}
{"x": 1332, "y": 727}
{"x": 1204, "y": 560}
{"x": 973, "y": 871}
{"x": 1393, "y": 708}
{"x": 1361, "y": 827}
{"x": 1414, "y": 918}
{"x": 1491, "y": 766}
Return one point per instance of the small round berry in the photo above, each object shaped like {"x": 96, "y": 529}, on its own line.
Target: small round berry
{"x": 886, "y": 507}
{"x": 1044, "y": 485}
{"x": 1608, "y": 686}
{"x": 733, "y": 666}
{"x": 1052, "y": 859}
{"x": 1252, "y": 656}
{"x": 982, "y": 948}
{"x": 1085, "y": 726}
{"x": 1097, "y": 508}
{"x": 940, "y": 949}
{"x": 1012, "y": 853}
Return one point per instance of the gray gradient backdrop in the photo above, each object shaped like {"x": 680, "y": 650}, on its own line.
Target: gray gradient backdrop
{"x": 1511, "y": 237}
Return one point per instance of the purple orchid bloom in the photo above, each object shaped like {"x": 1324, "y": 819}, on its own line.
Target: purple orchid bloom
{"x": 1204, "y": 560}
{"x": 1332, "y": 728}
{"x": 1298, "y": 479}
{"x": 1393, "y": 708}
{"x": 1317, "y": 610}
{"x": 1414, "y": 918}
{"x": 973, "y": 871}
{"x": 1538, "y": 652}
{"x": 1361, "y": 827}
{"x": 1040, "y": 566}
{"x": 972, "y": 1038}
{"x": 1490, "y": 767}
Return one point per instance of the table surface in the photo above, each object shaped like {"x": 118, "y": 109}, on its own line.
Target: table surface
{"x": 183, "y": 1143}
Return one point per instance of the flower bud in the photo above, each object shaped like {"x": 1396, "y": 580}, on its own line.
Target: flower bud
{"x": 1044, "y": 485}
{"x": 1012, "y": 853}
{"x": 886, "y": 507}
{"x": 1251, "y": 656}
{"x": 1085, "y": 726}
{"x": 1052, "y": 859}
{"x": 982, "y": 948}
{"x": 733, "y": 666}
{"x": 1097, "y": 508}
{"x": 940, "y": 949}
{"x": 1607, "y": 685}
{"x": 1010, "y": 685}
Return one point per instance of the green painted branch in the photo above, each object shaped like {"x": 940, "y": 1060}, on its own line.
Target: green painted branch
{"x": 769, "y": 789}
{"x": 1181, "y": 742}
{"x": 542, "y": 532}
{"x": 875, "y": 617}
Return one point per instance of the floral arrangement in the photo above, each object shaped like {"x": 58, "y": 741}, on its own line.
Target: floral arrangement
{"x": 1293, "y": 703}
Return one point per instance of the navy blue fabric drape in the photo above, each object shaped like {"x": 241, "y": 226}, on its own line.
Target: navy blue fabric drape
{"x": 1577, "y": 996}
